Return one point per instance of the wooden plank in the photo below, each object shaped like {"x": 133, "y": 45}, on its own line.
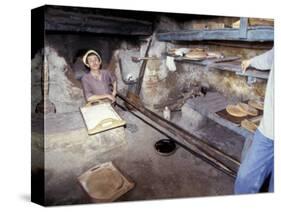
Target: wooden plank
{"x": 253, "y": 34}
{"x": 241, "y": 44}
{"x": 260, "y": 34}
{"x": 227, "y": 64}
{"x": 237, "y": 69}
{"x": 207, "y": 62}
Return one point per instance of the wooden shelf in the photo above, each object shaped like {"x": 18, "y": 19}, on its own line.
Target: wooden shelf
{"x": 237, "y": 69}
{"x": 233, "y": 66}
{"x": 252, "y": 34}
{"x": 212, "y": 103}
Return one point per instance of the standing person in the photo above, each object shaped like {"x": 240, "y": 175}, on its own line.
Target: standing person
{"x": 259, "y": 161}
{"x": 97, "y": 83}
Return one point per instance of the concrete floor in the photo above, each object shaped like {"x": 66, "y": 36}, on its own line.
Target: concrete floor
{"x": 69, "y": 152}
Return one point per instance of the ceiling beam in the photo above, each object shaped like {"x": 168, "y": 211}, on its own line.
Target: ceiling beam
{"x": 60, "y": 20}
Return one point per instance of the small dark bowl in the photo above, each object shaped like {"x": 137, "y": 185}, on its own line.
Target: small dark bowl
{"x": 165, "y": 147}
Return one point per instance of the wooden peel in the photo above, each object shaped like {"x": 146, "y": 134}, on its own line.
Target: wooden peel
{"x": 227, "y": 59}
{"x": 105, "y": 183}
{"x": 138, "y": 59}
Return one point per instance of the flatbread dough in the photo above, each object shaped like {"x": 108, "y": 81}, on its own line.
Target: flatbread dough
{"x": 248, "y": 109}
{"x": 196, "y": 55}
{"x": 103, "y": 183}
{"x": 249, "y": 125}
{"x": 256, "y": 104}
{"x": 234, "y": 110}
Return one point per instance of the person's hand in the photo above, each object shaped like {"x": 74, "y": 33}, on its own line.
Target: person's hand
{"x": 111, "y": 97}
{"x": 244, "y": 65}
{"x": 114, "y": 93}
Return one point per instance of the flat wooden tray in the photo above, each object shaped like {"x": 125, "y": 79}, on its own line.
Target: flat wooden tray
{"x": 101, "y": 117}
{"x": 109, "y": 194}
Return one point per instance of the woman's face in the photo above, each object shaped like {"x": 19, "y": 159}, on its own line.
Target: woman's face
{"x": 94, "y": 62}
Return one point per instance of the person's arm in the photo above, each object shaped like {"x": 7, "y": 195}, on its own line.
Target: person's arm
{"x": 114, "y": 92}
{"x": 94, "y": 98}
{"x": 90, "y": 96}
{"x": 262, "y": 62}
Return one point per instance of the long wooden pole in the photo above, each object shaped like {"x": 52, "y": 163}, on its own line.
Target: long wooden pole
{"x": 197, "y": 146}
{"x": 142, "y": 69}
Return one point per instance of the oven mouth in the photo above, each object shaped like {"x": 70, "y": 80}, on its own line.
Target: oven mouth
{"x": 165, "y": 147}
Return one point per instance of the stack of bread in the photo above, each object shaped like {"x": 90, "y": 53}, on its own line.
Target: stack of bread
{"x": 243, "y": 110}
{"x": 236, "y": 111}
{"x": 256, "y": 104}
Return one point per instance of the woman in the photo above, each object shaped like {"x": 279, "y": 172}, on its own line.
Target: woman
{"x": 97, "y": 83}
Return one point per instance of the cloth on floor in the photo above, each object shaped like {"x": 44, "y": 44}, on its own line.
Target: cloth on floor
{"x": 170, "y": 63}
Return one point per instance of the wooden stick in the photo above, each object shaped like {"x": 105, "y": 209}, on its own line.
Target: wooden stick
{"x": 190, "y": 141}
{"x": 142, "y": 69}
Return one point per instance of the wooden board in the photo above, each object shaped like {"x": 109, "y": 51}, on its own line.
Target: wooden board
{"x": 105, "y": 183}
{"x": 101, "y": 117}
{"x": 235, "y": 66}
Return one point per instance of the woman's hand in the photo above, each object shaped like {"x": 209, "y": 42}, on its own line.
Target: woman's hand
{"x": 111, "y": 97}
{"x": 244, "y": 65}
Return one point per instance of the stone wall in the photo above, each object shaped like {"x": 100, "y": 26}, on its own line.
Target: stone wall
{"x": 64, "y": 91}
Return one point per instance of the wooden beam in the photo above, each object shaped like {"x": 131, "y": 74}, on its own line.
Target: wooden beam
{"x": 243, "y": 28}
{"x": 69, "y": 21}
{"x": 210, "y": 154}
{"x": 254, "y": 34}
{"x": 241, "y": 44}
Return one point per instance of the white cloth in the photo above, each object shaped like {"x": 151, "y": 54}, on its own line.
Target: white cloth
{"x": 170, "y": 63}
{"x": 266, "y": 62}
